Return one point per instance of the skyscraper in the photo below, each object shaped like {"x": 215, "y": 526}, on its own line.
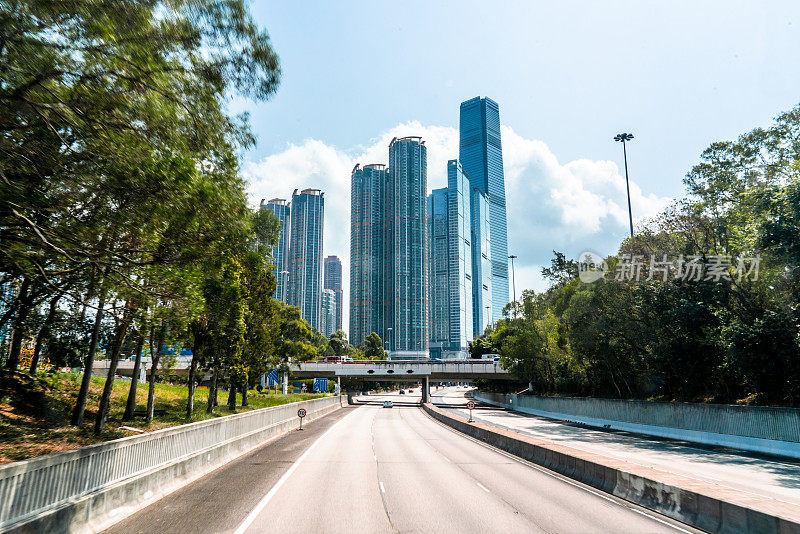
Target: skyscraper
{"x": 305, "y": 254}
{"x": 333, "y": 280}
{"x": 328, "y": 315}
{"x": 481, "y": 263}
{"x": 389, "y": 250}
{"x": 280, "y": 253}
{"x": 367, "y": 215}
{"x": 481, "y": 155}
{"x": 406, "y": 249}
{"x": 449, "y": 232}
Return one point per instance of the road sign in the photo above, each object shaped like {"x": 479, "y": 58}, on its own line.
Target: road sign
{"x": 301, "y": 413}
{"x": 471, "y": 405}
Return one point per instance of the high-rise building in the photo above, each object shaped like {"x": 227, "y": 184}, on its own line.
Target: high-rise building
{"x": 389, "y": 251}
{"x": 328, "y": 314}
{"x": 450, "y": 280}
{"x": 366, "y": 251}
{"x": 280, "y": 252}
{"x": 332, "y": 279}
{"x": 406, "y": 249}
{"x": 305, "y": 254}
{"x": 481, "y": 155}
{"x": 481, "y": 263}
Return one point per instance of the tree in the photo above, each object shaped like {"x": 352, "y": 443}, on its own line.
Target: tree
{"x": 373, "y": 347}
{"x": 338, "y": 343}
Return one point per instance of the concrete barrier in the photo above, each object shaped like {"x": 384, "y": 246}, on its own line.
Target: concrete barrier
{"x": 685, "y": 500}
{"x": 89, "y": 489}
{"x": 751, "y": 428}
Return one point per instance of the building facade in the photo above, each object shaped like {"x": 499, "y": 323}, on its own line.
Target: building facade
{"x": 280, "y": 252}
{"x": 305, "y": 255}
{"x": 406, "y": 249}
{"x": 332, "y": 280}
{"x": 367, "y": 216}
{"x": 481, "y": 155}
{"x": 450, "y": 264}
{"x": 328, "y": 313}
{"x": 481, "y": 263}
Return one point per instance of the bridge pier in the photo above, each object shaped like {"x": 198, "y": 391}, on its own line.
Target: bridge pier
{"x": 426, "y": 389}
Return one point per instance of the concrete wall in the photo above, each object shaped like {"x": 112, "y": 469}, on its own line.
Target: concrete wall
{"x": 88, "y": 489}
{"x": 684, "y": 500}
{"x": 751, "y": 428}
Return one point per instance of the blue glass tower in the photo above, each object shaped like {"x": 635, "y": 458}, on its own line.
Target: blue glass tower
{"x": 449, "y": 231}
{"x": 305, "y": 255}
{"x": 280, "y": 253}
{"x": 481, "y": 155}
{"x": 481, "y": 263}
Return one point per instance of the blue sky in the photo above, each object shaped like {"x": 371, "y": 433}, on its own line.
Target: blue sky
{"x": 567, "y": 76}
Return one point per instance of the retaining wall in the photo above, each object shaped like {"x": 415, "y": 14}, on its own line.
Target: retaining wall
{"x": 677, "y": 497}
{"x": 751, "y": 428}
{"x": 88, "y": 489}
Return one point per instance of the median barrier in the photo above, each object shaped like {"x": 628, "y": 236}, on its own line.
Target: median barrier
{"x": 90, "y": 488}
{"x": 689, "y": 501}
{"x": 751, "y": 428}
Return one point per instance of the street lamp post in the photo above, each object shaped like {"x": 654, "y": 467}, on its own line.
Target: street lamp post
{"x": 391, "y": 344}
{"x": 487, "y": 315}
{"x": 512, "y": 257}
{"x": 624, "y": 137}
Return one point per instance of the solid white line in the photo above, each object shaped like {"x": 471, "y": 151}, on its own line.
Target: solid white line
{"x": 383, "y": 490}
{"x": 263, "y": 503}
{"x": 484, "y": 488}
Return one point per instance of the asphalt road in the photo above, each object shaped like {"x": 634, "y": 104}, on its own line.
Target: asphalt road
{"x": 397, "y": 470}
{"x": 770, "y": 478}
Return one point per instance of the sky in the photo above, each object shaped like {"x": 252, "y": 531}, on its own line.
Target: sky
{"x": 568, "y": 76}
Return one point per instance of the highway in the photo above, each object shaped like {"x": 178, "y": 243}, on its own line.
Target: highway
{"x": 371, "y": 469}
{"x": 775, "y": 479}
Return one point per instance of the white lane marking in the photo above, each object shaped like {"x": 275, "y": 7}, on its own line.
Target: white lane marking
{"x": 383, "y": 490}
{"x": 621, "y": 502}
{"x": 374, "y": 457}
{"x": 271, "y": 493}
{"x": 484, "y": 488}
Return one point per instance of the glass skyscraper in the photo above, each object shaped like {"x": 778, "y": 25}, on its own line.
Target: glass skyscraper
{"x": 332, "y": 280}
{"x": 305, "y": 254}
{"x": 481, "y": 155}
{"x": 280, "y": 253}
{"x": 328, "y": 315}
{"x": 449, "y": 231}
{"x": 406, "y": 249}
{"x": 366, "y": 251}
{"x": 481, "y": 263}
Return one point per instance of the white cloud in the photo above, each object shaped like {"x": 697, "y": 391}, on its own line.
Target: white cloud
{"x": 568, "y": 207}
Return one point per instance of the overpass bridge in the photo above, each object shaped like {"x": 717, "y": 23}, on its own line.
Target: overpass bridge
{"x": 370, "y": 371}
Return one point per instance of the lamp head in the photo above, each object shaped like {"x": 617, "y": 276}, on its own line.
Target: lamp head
{"x": 623, "y": 137}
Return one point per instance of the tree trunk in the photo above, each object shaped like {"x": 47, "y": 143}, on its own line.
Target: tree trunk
{"x": 232, "y": 396}
{"x": 23, "y": 306}
{"x": 190, "y": 399}
{"x": 80, "y": 405}
{"x": 212, "y": 392}
{"x": 130, "y": 405}
{"x": 44, "y": 333}
{"x": 151, "y": 391}
{"x": 105, "y": 398}
{"x": 244, "y": 394}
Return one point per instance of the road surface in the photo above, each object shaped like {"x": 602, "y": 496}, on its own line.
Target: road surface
{"x": 774, "y": 479}
{"x": 370, "y": 469}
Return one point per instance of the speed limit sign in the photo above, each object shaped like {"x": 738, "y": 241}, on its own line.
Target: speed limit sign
{"x": 470, "y": 407}
{"x": 301, "y": 413}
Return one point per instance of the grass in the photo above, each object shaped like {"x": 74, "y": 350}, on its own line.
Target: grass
{"x": 35, "y": 414}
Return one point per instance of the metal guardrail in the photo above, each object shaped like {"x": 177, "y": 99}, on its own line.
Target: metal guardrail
{"x": 33, "y": 486}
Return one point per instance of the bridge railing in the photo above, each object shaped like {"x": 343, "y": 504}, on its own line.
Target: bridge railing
{"x": 29, "y": 487}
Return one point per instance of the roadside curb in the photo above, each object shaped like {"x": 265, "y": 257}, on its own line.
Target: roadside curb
{"x": 686, "y": 500}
